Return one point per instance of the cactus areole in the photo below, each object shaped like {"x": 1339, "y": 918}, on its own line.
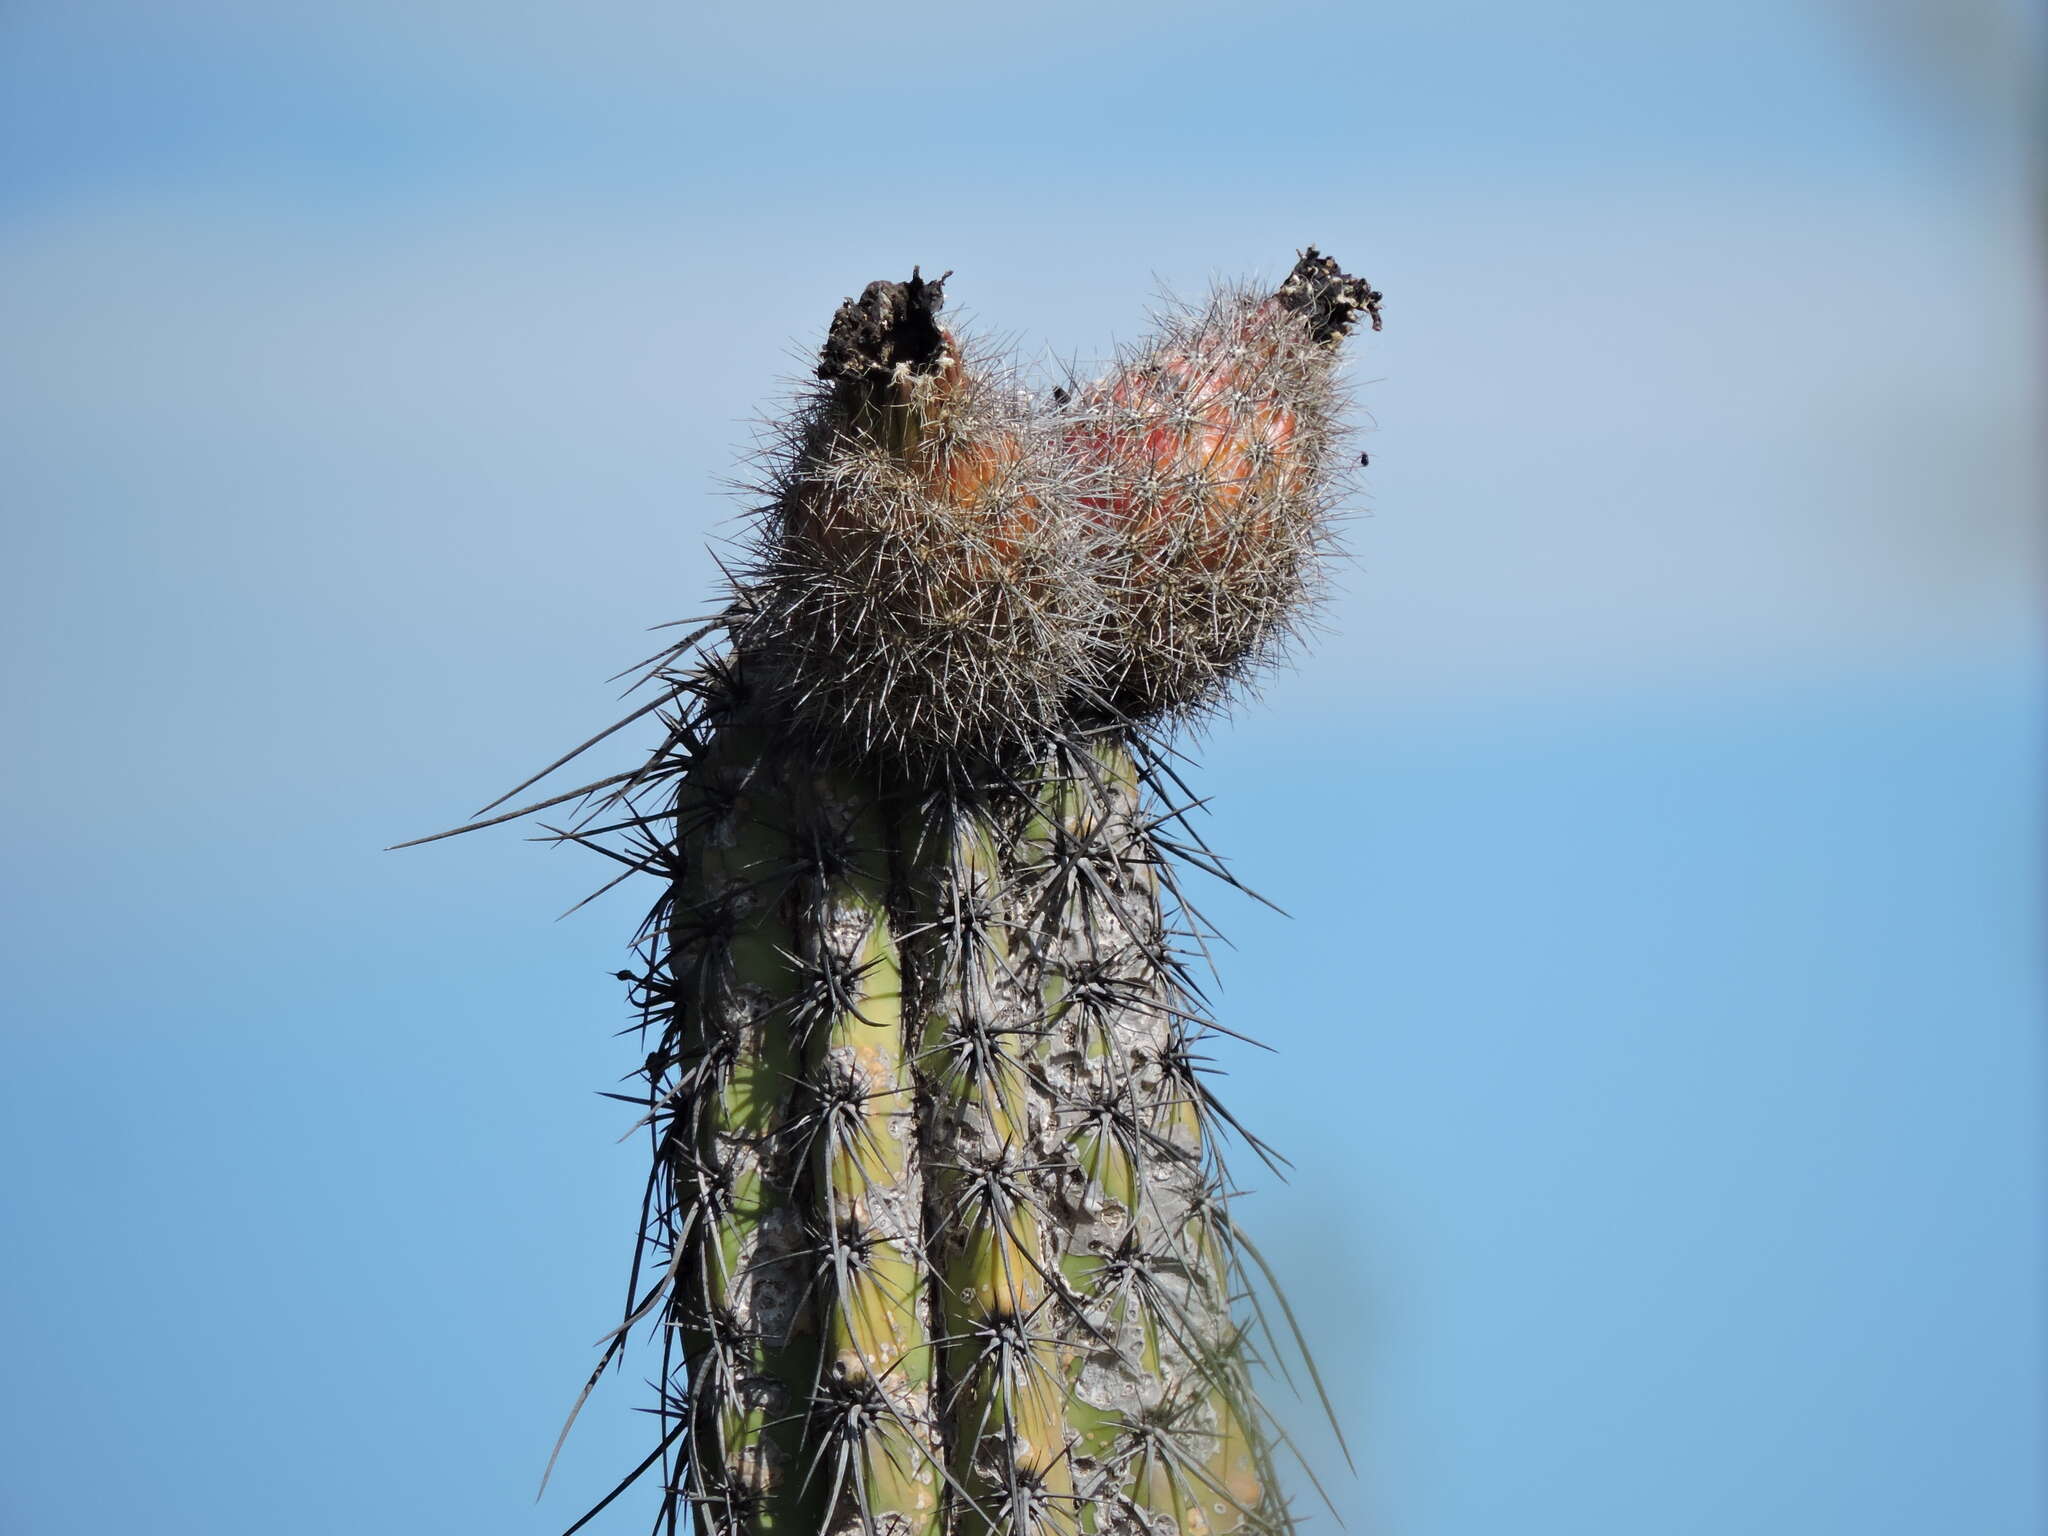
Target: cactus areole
{"x": 936, "y": 1238}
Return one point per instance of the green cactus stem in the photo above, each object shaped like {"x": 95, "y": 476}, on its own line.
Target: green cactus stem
{"x": 937, "y": 1237}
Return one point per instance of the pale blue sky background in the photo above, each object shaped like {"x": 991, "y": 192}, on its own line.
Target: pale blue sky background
{"x": 1659, "y": 1022}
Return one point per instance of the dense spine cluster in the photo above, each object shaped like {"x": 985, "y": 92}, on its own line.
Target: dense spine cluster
{"x": 936, "y": 1236}
{"x": 914, "y": 591}
{"x": 1215, "y": 470}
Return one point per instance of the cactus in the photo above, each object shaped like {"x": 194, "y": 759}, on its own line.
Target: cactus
{"x": 936, "y": 1237}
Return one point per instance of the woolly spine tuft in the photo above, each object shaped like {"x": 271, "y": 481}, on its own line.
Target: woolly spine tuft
{"x": 1216, "y": 464}
{"x": 918, "y": 590}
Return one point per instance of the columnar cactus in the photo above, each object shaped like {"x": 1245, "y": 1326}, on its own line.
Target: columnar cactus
{"x": 936, "y": 1237}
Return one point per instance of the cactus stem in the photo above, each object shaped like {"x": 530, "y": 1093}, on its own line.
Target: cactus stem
{"x": 936, "y": 1236}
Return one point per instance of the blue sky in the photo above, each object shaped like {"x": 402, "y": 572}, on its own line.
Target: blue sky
{"x": 1658, "y": 1021}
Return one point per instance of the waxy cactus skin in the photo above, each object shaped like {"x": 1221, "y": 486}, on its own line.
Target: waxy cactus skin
{"x": 937, "y": 1237}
